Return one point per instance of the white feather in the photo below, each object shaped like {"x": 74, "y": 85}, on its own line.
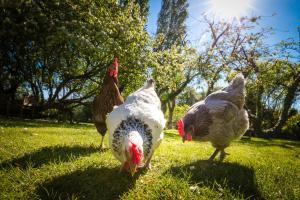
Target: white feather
{"x": 143, "y": 104}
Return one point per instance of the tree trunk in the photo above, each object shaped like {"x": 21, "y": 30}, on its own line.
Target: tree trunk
{"x": 8, "y": 107}
{"x": 258, "y": 111}
{"x": 287, "y": 103}
{"x": 164, "y": 106}
{"x": 171, "y": 107}
{"x": 9, "y": 98}
{"x": 210, "y": 88}
{"x": 71, "y": 115}
{"x": 10, "y": 103}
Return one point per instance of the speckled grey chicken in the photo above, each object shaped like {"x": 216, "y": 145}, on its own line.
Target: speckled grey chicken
{"x": 219, "y": 118}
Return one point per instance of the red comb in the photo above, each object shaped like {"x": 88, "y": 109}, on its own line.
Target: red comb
{"x": 136, "y": 154}
{"x": 114, "y": 72}
{"x": 180, "y": 126}
{"x": 116, "y": 62}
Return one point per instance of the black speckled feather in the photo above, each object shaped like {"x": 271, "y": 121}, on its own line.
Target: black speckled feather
{"x": 132, "y": 124}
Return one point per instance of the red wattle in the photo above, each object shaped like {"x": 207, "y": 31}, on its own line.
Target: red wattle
{"x": 189, "y": 137}
{"x": 136, "y": 154}
{"x": 113, "y": 73}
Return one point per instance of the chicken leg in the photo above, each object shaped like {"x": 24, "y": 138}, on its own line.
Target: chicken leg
{"x": 102, "y": 143}
{"x": 148, "y": 163}
{"x": 212, "y": 157}
{"x": 223, "y": 154}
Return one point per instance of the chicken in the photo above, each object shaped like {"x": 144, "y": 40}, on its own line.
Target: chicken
{"x": 219, "y": 118}
{"x": 108, "y": 97}
{"x": 135, "y": 128}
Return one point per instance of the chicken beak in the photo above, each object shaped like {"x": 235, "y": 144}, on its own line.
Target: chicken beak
{"x": 133, "y": 169}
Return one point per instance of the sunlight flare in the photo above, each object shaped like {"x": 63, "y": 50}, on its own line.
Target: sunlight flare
{"x": 228, "y": 9}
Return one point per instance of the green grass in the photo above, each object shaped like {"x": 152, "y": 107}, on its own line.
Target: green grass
{"x": 41, "y": 160}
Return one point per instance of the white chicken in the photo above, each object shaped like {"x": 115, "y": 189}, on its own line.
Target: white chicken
{"x": 135, "y": 128}
{"x": 219, "y": 118}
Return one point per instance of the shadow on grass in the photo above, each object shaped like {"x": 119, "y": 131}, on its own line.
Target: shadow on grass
{"x": 50, "y": 154}
{"x": 287, "y": 144}
{"x": 91, "y": 183}
{"x": 220, "y": 176}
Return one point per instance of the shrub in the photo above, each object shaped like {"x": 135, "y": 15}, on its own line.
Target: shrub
{"x": 178, "y": 113}
{"x": 292, "y": 127}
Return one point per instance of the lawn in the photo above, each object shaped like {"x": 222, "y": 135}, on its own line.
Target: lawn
{"x": 42, "y": 160}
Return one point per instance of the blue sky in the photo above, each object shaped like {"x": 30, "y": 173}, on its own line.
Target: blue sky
{"x": 285, "y": 22}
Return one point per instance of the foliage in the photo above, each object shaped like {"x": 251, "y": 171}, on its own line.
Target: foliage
{"x": 172, "y": 53}
{"x": 171, "y": 69}
{"x": 189, "y": 96}
{"x": 292, "y": 127}
{"x": 179, "y": 111}
{"x": 83, "y": 114}
{"x": 171, "y": 23}
{"x": 272, "y": 72}
{"x": 63, "y": 48}
{"x": 272, "y": 90}
{"x": 59, "y": 161}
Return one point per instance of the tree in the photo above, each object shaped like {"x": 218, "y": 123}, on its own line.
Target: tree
{"x": 274, "y": 90}
{"x": 170, "y": 39}
{"x": 267, "y": 70}
{"x": 171, "y": 23}
{"x": 173, "y": 71}
{"x": 289, "y": 80}
{"x": 236, "y": 47}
